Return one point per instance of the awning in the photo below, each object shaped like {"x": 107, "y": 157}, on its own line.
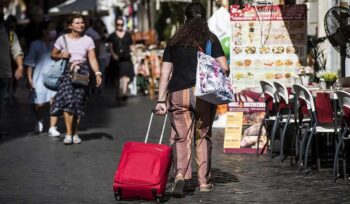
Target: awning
{"x": 185, "y": 1}
{"x": 73, "y": 5}
{"x": 170, "y": 1}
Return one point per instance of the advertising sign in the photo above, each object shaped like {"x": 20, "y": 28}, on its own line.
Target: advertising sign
{"x": 233, "y": 130}
{"x": 267, "y": 43}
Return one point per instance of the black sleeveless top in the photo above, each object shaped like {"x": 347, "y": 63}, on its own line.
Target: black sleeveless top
{"x": 184, "y": 61}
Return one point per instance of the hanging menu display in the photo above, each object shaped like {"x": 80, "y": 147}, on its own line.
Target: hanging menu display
{"x": 267, "y": 43}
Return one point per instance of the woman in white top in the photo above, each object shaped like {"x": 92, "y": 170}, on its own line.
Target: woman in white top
{"x": 71, "y": 99}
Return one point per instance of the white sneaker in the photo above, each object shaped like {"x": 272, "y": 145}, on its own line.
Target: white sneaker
{"x": 39, "y": 127}
{"x": 53, "y": 132}
{"x": 67, "y": 140}
{"x": 76, "y": 139}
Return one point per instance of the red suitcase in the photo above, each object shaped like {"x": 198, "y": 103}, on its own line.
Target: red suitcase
{"x": 143, "y": 169}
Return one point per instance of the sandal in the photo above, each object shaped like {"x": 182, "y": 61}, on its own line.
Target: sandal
{"x": 206, "y": 187}
{"x": 178, "y": 187}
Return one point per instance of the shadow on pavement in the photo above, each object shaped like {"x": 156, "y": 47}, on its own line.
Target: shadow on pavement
{"x": 217, "y": 176}
{"x": 90, "y": 136}
{"x": 95, "y": 136}
{"x": 18, "y": 118}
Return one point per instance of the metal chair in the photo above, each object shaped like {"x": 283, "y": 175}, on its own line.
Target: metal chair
{"x": 320, "y": 122}
{"x": 344, "y": 101}
{"x": 284, "y": 105}
{"x": 302, "y": 109}
{"x": 269, "y": 92}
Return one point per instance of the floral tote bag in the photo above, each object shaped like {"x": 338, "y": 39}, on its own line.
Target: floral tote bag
{"x": 211, "y": 83}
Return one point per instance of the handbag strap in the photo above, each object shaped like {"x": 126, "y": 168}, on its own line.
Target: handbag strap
{"x": 65, "y": 42}
{"x": 208, "y": 47}
{"x": 66, "y": 45}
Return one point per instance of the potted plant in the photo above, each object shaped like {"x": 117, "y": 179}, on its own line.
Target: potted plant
{"x": 304, "y": 73}
{"x": 329, "y": 77}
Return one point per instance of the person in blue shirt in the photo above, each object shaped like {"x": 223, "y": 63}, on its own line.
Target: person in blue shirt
{"x": 38, "y": 62}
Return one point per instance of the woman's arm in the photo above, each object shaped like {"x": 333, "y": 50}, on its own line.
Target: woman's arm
{"x": 57, "y": 54}
{"x": 30, "y": 77}
{"x": 19, "y": 70}
{"x": 223, "y": 63}
{"x": 94, "y": 66}
{"x": 17, "y": 55}
{"x": 165, "y": 72}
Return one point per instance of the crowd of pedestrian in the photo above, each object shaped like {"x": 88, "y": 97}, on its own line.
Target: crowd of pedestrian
{"x": 28, "y": 51}
{"x": 93, "y": 54}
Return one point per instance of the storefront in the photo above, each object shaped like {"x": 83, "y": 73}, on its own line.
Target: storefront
{"x": 270, "y": 42}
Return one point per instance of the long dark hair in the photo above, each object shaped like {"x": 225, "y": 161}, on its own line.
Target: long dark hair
{"x": 195, "y": 31}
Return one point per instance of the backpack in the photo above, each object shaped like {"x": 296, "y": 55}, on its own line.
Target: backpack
{"x": 10, "y": 35}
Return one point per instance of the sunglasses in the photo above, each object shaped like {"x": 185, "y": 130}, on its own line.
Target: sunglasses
{"x": 120, "y": 24}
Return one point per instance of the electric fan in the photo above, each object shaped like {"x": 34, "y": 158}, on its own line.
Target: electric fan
{"x": 337, "y": 27}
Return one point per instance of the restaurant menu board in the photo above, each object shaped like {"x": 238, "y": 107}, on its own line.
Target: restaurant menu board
{"x": 267, "y": 43}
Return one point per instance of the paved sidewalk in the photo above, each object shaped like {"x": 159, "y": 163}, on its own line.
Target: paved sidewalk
{"x": 39, "y": 169}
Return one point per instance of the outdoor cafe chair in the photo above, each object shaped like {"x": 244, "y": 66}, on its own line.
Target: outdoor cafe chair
{"x": 344, "y": 101}
{"x": 301, "y": 112}
{"x": 321, "y": 121}
{"x": 284, "y": 113}
{"x": 269, "y": 119}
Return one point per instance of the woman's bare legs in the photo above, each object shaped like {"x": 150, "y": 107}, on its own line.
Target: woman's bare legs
{"x": 53, "y": 128}
{"x": 76, "y": 123}
{"x": 53, "y": 121}
{"x": 68, "y": 121}
{"x": 124, "y": 84}
{"x": 53, "y": 124}
{"x": 38, "y": 109}
{"x": 72, "y": 124}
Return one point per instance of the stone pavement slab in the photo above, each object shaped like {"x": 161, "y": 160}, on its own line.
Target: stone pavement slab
{"x": 38, "y": 169}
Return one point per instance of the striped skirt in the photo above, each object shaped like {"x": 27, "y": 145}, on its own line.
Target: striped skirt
{"x": 183, "y": 108}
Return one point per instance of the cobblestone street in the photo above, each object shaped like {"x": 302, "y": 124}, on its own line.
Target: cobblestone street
{"x": 38, "y": 169}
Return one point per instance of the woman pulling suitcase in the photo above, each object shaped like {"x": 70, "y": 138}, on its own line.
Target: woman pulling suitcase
{"x": 177, "y": 81}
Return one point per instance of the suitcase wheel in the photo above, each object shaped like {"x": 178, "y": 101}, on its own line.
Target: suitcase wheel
{"x": 158, "y": 199}
{"x": 117, "y": 196}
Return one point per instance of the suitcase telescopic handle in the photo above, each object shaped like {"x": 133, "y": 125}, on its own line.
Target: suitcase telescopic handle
{"x": 149, "y": 127}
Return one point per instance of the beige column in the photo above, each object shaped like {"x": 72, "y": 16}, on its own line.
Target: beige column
{"x": 346, "y": 3}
